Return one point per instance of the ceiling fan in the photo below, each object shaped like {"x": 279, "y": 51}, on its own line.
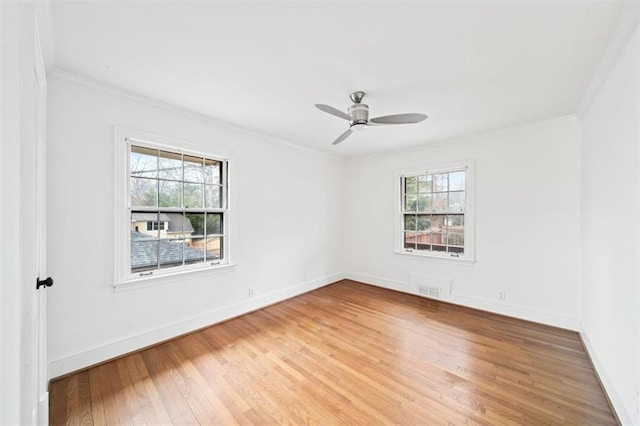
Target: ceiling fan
{"x": 358, "y": 116}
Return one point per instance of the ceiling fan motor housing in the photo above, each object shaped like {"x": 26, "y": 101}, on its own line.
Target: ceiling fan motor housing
{"x": 359, "y": 114}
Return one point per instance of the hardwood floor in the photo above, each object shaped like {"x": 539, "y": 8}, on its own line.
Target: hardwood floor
{"x": 347, "y": 353}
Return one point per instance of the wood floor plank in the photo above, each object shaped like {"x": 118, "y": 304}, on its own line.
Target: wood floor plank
{"x": 58, "y": 401}
{"x": 347, "y": 353}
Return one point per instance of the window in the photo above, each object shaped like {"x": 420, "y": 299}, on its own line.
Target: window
{"x": 436, "y": 211}
{"x": 154, "y": 225}
{"x": 176, "y": 207}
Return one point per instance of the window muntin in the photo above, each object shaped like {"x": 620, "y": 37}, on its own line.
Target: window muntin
{"x": 434, "y": 212}
{"x": 177, "y": 206}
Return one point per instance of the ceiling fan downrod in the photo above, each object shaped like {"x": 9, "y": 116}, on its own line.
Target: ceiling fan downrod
{"x": 356, "y": 97}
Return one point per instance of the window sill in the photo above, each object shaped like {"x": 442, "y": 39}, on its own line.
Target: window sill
{"x": 137, "y": 283}
{"x": 443, "y": 258}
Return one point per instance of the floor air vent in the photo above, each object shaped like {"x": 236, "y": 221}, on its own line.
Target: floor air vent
{"x": 430, "y": 286}
{"x": 428, "y": 291}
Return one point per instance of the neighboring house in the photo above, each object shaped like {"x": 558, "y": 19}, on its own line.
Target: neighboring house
{"x": 167, "y": 235}
{"x": 171, "y": 226}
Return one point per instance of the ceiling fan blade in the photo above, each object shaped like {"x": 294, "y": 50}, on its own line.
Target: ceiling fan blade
{"x": 342, "y": 137}
{"x": 399, "y": 119}
{"x": 333, "y": 111}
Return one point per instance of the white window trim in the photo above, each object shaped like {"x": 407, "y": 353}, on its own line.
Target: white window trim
{"x": 469, "y": 228}
{"x": 123, "y": 276}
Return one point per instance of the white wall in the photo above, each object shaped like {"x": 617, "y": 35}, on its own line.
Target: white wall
{"x": 527, "y": 222}
{"x": 610, "y": 230}
{"x": 288, "y": 214}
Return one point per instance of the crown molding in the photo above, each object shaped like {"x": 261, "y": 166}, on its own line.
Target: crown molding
{"x": 63, "y": 74}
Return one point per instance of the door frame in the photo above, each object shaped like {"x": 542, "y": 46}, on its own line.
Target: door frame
{"x": 40, "y": 131}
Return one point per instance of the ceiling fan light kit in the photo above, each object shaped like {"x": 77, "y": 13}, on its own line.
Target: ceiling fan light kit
{"x": 358, "y": 116}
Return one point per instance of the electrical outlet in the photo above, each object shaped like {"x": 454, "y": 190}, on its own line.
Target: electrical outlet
{"x": 502, "y": 295}
{"x": 252, "y": 292}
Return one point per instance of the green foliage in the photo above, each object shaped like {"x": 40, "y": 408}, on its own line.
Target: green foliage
{"x": 417, "y": 222}
{"x": 197, "y": 221}
{"x": 214, "y": 223}
{"x": 211, "y": 223}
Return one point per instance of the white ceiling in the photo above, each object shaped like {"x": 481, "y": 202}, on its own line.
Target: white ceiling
{"x": 472, "y": 67}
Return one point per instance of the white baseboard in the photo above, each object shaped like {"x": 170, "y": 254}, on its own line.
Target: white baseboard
{"x": 516, "y": 311}
{"x": 118, "y": 347}
{"x": 610, "y": 390}
{"x": 379, "y": 282}
{"x": 478, "y": 303}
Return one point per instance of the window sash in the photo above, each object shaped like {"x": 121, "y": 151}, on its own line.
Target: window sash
{"x": 220, "y": 240}
{"x": 419, "y": 202}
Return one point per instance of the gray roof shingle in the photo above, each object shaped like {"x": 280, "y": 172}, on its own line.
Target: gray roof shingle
{"x": 144, "y": 252}
{"x": 151, "y": 217}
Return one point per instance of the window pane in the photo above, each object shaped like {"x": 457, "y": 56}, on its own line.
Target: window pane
{"x": 194, "y": 251}
{"x": 410, "y": 202}
{"x": 193, "y": 169}
{"x": 437, "y": 222}
{"x": 425, "y": 203}
{"x": 423, "y": 247}
{"x": 140, "y": 222}
{"x": 144, "y": 192}
{"x": 170, "y": 165}
{"x": 171, "y": 253}
{"x": 143, "y": 162}
{"x": 214, "y": 248}
{"x": 423, "y": 222}
{"x": 144, "y": 252}
{"x": 440, "y": 202}
{"x": 409, "y": 222}
{"x": 197, "y": 223}
{"x": 455, "y": 239}
{"x": 170, "y": 194}
{"x": 457, "y": 181}
{"x": 455, "y": 221}
{"x": 214, "y": 224}
{"x": 424, "y": 238}
{"x": 410, "y": 185}
{"x": 456, "y": 201}
{"x": 193, "y": 195}
{"x": 212, "y": 172}
{"x": 212, "y": 196}
{"x": 437, "y": 229}
{"x": 425, "y": 183}
{"x": 440, "y": 182}
{"x": 410, "y": 240}
{"x": 178, "y": 226}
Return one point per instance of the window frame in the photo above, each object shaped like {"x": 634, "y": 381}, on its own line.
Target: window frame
{"x": 469, "y": 212}
{"x": 124, "y": 138}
